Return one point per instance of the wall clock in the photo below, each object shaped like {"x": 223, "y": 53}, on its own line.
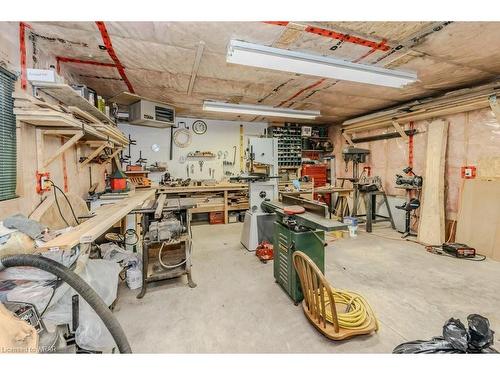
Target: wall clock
{"x": 199, "y": 127}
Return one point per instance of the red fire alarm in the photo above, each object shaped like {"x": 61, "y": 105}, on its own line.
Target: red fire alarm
{"x": 469, "y": 171}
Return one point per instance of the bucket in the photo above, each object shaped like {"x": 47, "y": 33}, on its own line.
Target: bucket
{"x": 134, "y": 278}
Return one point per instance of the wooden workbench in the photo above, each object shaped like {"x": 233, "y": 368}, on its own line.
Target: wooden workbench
{"x": 105, "y": 217}
{"x": 225, "y": 189}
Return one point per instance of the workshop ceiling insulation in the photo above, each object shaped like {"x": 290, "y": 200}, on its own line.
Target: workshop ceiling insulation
{"x": 184, "y": 63}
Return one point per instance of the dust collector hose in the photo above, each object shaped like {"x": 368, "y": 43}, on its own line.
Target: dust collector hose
{"x": 80, "y": 286}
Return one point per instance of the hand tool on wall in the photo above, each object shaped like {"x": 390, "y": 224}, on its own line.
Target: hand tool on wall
{"x": 201, "y": 165}
{"x": 187, "y": 170}
{"x": 234, "y": 155}
{"x": 192, "y": 168}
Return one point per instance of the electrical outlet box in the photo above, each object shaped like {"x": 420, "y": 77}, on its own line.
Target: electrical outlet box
{"x": 42, "y": 182}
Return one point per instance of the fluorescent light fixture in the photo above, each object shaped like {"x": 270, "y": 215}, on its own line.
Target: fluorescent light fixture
{"x": 259, "y": 110}
{"x": 250, "y": 54}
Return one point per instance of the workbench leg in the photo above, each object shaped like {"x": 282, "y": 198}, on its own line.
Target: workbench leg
{"x": 368, "y": 208}
{"x": 145, "y": 249}
{"x": 389, "y": 211}
{"x": 191, "y": 283}
{"x": 226, "y": 214}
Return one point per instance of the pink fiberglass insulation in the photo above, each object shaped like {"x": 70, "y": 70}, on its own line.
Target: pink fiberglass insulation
{"x": 472, "y": 136}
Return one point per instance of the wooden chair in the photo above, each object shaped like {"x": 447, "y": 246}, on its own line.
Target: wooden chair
{"x": 317, "y": 307}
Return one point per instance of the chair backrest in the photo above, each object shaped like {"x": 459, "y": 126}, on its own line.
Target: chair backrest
{"x": 314, "y": 286}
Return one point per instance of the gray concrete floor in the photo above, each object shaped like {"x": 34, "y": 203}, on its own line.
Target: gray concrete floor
{"x": 238, "y": 308}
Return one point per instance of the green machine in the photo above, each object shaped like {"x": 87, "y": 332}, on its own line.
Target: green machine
{"x": 286, "y": 242}
{"x": 298, "y": 232}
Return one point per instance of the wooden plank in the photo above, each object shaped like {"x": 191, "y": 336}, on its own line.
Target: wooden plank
{"x": 488, "y": 167}
{"x": 106, "y": 217}
{"x": 66, "y": 95}
{"x": 226, "y": 215}
{"x": 431, "y": 229}
{"x": 200, "y": 189}
{"x": 478, "y": 223}
{"x": 39, "y": 149}
{"x": 400, "y": 130}
{"x": 84, "y": 114}
{"x": 348, "y": 139}
{"x": 63, "y": 148}
{"x": 196, "y": 65}
{"x": 159, "y": 205}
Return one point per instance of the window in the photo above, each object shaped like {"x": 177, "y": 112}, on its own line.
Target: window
{"x": 8, "y": 142}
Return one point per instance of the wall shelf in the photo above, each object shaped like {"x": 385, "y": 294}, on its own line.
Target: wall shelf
{"x": 69, "y": 97}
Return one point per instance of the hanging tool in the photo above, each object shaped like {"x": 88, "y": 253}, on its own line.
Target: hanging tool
{"x": 192, "y": 168}
{"x": 201, "y": 165}
{"x": 234, "y": 155}
{"x": 187, "y": 170}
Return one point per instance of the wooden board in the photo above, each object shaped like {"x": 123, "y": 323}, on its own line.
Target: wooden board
{"x": 106, "y": 217}
{"x": 66, "y": 95}
{"x": 431, "y": 229}
{"x": 478, "y": 223}
{"x": 489, "y": 167}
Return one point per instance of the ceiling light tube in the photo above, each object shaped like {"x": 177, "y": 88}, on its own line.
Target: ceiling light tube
{"x": 259, "y": 110}
{"x": 259, "y": 56}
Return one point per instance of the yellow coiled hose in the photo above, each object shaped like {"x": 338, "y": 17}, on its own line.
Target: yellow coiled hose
{"x": 358, "y": 312}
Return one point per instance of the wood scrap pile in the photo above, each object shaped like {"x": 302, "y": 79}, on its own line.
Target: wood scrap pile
{"x": 36, "y": 112}
{"x": 237, "y": 200}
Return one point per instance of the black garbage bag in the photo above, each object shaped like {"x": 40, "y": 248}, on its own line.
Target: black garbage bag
{"x": 456, "y": 339}
{"x": 456, "y": 334}
{"x": 481, "y": 336}
{"x": 435, "y": 345}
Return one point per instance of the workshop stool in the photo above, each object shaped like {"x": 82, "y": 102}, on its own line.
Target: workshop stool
{"x": 372, "y": 216}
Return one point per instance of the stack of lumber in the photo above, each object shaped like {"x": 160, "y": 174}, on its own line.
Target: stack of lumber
{"x": 105, "y": 217}
{"x": 237, "y": 200}
{"x": 36, "y": 112}
{"x": 447, "y": 104}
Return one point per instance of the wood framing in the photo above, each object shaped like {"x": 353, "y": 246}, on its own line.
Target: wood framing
{"x": 69, "y": 143}
{"x": 347, "y": 137}
{"x": 494, "y": 106}
{"x": 431, "y": 229}
{"x": 39, "y": 149}
{"x": 400, "y": 130}
{"x": 96, "y": 152}
{"x": 160, "y": 202}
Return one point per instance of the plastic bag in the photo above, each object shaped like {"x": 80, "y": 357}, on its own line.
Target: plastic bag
{"x": 91, "y": 334}
{"x": 66, "y": 258}
{"x": 435, "y": 345}
{"x": 481, "y": 336}
{"x": 455, "y": 339}
{"x": 456, "y": 334}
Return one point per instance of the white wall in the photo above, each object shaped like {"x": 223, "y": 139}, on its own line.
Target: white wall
{"x": 220, "y": 135}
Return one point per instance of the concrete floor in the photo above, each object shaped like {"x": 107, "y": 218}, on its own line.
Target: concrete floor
{"x": 238, "y": 308}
